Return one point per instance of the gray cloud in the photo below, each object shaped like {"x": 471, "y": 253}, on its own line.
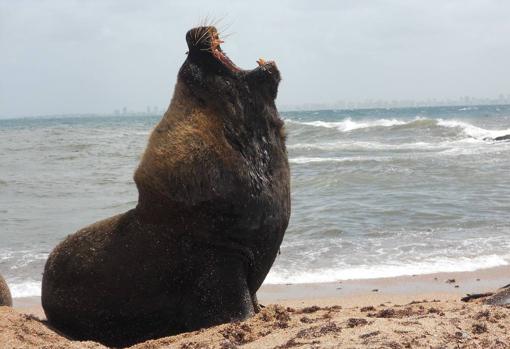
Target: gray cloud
{"x": 65, "y": 56}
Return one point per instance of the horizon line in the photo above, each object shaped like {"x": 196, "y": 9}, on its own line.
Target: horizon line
{"x": 300, "y": 108}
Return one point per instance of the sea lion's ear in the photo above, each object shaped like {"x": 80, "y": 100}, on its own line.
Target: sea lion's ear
{"x": 266, "y": 77}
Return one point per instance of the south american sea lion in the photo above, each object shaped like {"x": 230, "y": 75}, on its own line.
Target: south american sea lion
{"x": 214, "y": 203}
{"x": 5, "y": 294}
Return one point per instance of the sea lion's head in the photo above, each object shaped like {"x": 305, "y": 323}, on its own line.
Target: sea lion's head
{"x": 215, "y": 79}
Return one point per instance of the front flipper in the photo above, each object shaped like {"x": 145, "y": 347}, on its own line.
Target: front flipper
{"x": 218, "y": 294}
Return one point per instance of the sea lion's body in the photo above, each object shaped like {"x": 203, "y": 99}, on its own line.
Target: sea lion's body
{"x": 500, "y": 297}
{"x": 5, "y": 294}
{"x": 214, "y": 203}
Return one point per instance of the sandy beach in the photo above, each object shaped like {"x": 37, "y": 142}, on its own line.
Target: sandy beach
{"x": 419, "y": 311}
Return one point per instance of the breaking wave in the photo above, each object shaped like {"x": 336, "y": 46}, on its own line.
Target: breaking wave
{"x": 348, "y": 125}
{"x": 471, "y": 130}
{"x": 306, "y": 160}
{"x": 458, "y": 264}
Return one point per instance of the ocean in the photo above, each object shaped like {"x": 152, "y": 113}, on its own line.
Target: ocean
{"x": 375, "y": 192}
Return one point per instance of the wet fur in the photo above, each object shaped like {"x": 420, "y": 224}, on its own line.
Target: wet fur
{"x": 214, "y": 203}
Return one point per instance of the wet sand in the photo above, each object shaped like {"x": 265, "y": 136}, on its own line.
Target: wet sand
{"x": 401, "y": 312}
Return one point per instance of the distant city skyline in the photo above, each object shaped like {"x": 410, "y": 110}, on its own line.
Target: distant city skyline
{"x": 501, "y": 99}
{"x": 339, "y": 105}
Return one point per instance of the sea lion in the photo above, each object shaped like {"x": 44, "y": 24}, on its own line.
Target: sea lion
{"x": 500, "y": 297}
{"x": 214, "y": 203}
{"x": 5, "y": 294}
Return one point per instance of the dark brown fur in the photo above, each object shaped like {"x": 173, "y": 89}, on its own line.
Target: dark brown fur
{"x": 214, "y": 203}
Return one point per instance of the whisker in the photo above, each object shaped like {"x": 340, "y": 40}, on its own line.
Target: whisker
{"x": 205, "y": 20}
{"x": 208, "y": 20}
{"x": 224, "y": 36}
{"x": 203, "y": 35}
{"x": 225, "y": 27}
{"x": 217, "y": 21}
{"x": 199, "y": 25}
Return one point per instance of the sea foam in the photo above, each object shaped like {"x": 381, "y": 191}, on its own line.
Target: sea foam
{"x": 24, "y": 288}
{"x": 458, "y": 264}
{"x": 348, "y": 124}
{"x": 471, "y": 130}
{"x": 307, "y": 160}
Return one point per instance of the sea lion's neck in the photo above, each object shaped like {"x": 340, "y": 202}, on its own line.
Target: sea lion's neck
{"x": 244, "y": 124}
{"x": 181, "y": 105}
{"x": 194, "y": 130}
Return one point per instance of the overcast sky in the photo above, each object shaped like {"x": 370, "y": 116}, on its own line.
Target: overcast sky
{"x": 66, "y": 56}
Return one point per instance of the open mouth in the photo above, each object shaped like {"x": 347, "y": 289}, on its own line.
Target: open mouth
{"x": 218, "y": 53}
{"x": 207, "y": 39}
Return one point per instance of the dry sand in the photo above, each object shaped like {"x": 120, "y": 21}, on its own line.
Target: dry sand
{"x": 406, "y": 312}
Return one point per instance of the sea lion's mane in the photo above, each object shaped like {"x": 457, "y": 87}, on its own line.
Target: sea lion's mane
{"x": 218, "y": 112}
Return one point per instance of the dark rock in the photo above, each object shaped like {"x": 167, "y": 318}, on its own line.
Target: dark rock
{"x": 5, "y": 293}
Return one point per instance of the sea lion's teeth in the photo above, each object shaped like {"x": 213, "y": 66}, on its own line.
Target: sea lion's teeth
{"x": 217, "y": 42}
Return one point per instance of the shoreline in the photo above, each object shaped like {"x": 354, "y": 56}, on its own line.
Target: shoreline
{"x": 359, "y": 292}
{"x": 407, "y": 285}
{"x": 421, "y": 311}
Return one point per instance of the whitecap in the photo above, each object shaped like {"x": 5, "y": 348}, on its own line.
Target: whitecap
{"x": 348, "y": 124}
{"x": 27, "y": 288}
{"x": 306, "y": 160}
{"x": 356, "y": 145}
{"x": 472, "y": 130}
{"x": 445, "y": 264}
